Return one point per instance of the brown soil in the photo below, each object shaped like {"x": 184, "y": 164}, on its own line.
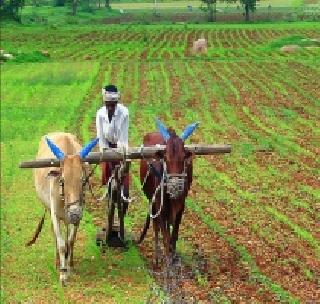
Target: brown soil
{"x": 276, "y": 259}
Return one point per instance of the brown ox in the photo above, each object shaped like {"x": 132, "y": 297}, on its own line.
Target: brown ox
{"x": 166, "y": 182}
{"x": 61, "y": 190}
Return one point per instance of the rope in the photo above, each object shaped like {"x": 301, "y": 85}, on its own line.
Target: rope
{"x": 86, "y": 181}
{"x": 125, "y": 199}
{"x": 145, "y": 178}
{"x": 160, "y": 186}
{"x": 107, "y": 188}
{"x": 89, "y": 175}
{"x": 141, "y": 151}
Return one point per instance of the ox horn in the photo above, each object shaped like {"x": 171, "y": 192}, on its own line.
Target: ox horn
{"x": 189, "y": 130}
{"x": 163, "y": 130}
{"x": 87, "y": 148}
{"x": 55, "y": 150}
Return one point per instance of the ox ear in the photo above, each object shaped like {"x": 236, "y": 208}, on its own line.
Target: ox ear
{"x": 189, "y": 130}
{"x": 88, "y": 147}
{"x": 163, "y": 130}
{"x": 55, "y": 150}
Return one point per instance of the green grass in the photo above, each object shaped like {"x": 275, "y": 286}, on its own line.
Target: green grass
{"x": 48, "y": 98}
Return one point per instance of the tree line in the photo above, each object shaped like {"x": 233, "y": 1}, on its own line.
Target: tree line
{"x": 12, "y": 8}
{"x": 210, "y": 6}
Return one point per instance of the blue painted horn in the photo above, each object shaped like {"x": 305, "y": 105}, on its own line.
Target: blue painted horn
{"x": 189, "y": 130}
{"x": 162, "y": 129}
{"x": 54, "y": 149}
{"x": 87, "y": 148}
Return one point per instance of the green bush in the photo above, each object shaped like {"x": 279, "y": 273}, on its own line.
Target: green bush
{"x": 35, "y": 56}
{"x": 296, "y": 39}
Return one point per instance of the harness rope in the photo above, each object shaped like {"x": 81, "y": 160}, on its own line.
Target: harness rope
{"x": 161, "y": 187}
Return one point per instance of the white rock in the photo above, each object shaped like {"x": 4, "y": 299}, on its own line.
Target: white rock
{"x": 200, "y": 46}
{"x": 7, "y": 56}
{"x": 292, "y": 48}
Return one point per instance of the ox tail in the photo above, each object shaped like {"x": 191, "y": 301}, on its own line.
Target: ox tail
{"x": 37, "y": 232}
{"x": 144, "y": 231}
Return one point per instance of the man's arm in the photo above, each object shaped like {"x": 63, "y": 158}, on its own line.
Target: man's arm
{"x": 102, "y": 141}
{"x": 123, "y": 139}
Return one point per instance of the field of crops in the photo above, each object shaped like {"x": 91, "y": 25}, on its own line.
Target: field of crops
{"x": 251, "y": 231}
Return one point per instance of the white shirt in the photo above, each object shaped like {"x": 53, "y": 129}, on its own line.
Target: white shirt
{"x": 115, "y": 132}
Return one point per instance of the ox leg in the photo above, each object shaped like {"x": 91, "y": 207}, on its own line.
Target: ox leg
{"x": 156, "y": 241}
{"x": 71, "y": 238}
{"x": 166, "y": 238}
{"x": 60, "y": 246}
{"x": 175, "y": 233}
{"x": 57, "y": 259}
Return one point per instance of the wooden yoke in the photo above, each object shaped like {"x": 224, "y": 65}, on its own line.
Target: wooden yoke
{"x": 130, "y": 154}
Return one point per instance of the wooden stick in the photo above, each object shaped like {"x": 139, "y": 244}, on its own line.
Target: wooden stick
{"x": 40, "y": 163}
{"x": 150, "y": 152}
{"x": 208, "y": 149}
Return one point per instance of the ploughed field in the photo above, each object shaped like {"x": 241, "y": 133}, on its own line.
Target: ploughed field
{"x": 251, "y": 231}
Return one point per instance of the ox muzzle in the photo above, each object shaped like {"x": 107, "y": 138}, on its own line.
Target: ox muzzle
{"x": 74, "y": 212}
{"x": 176, "y": 185}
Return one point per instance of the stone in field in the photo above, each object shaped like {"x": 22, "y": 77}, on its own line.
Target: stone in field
{"x": 200, "y": 46}
{"x": 5, "y": 56}
{"x": 311, "y": 47}
{"x": 292, "y": 48}
{"x": 45, "y": 53}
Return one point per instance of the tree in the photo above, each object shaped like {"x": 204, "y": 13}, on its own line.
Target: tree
{"x": 249, "y": 5}
{"x": 74, "y": 7}
{"x": 59, "y": 2}
{"x": 210, "y": 8}
{"x": 11, "y": 9}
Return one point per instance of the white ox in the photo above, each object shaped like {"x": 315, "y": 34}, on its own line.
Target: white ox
{"x": 61, "y": 190}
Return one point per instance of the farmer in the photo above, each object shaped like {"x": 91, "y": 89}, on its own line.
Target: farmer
{"x": 112, "y": 123}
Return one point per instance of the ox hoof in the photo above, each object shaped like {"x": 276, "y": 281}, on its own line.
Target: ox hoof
{"x": 63, "y": 278}
{"x": 63, "y": 282}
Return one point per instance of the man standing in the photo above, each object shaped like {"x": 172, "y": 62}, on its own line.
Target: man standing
{"x": 112, "y": 123}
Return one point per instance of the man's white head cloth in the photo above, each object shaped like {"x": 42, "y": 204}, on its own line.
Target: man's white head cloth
{"x": 110, "y": 96}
